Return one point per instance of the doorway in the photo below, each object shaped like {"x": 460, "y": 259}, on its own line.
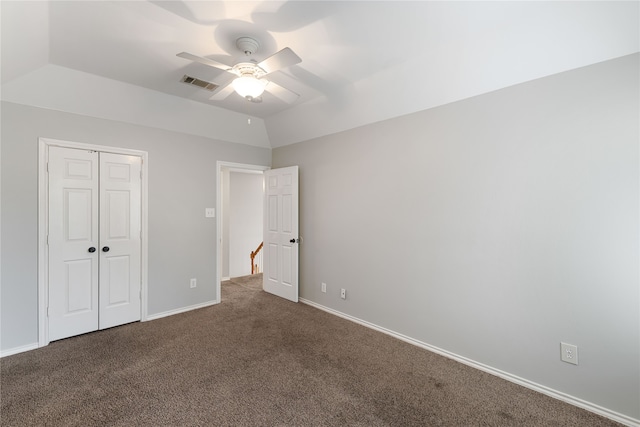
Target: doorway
{"x": 240, "y": 202}
{"x": 92, "y": 264}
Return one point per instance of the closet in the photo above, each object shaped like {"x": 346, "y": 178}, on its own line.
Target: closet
{"x": 93, "y": 240}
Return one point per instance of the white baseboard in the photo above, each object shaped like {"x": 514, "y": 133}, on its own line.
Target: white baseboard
{"x": 181, "y": 310}
{"x": 621, "y": 418}
{"x": 16, "y": 350}
{"x": 21, "y": 349}
{"x": 224, "y": 279}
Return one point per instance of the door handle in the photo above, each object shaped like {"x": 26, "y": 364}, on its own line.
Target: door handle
{"x": 92, "y": 249}
{"x": 105, "y": 249}
{"x": 294, "y": 241}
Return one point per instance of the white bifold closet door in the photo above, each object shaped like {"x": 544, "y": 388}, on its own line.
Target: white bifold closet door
{"x": 94, "y": 226}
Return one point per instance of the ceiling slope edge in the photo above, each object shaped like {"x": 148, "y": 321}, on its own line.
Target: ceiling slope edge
{"x": 63, "y": 89}
{"x": 370, "y": 105}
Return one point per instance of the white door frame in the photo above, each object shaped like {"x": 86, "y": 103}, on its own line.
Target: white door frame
{"x": 43, "y": 213}
{"x": 219, "y": 166}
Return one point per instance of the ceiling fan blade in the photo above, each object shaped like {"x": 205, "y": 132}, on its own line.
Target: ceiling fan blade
{"x": 222, "y": 93}
{"x": 279, "y": 60}
{"x": 282, "y": 93}
{"x": 204, "y": 61}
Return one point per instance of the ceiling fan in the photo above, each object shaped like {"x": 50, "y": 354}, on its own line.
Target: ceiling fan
{"x": 250, "y": 80}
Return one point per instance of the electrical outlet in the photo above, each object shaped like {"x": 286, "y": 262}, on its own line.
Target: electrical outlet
{"x": 343, "y": 293}
{"x": 193, "y": 283}
{"x": 569, "y": 353}
{"x": 324, "y": 287}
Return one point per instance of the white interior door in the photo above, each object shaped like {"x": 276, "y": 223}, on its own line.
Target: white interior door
{"x": 73, "y": 242}
{"x": 94, "y": 245}
{"x": 280, "y": 259}
{"x": 120, "y": 222}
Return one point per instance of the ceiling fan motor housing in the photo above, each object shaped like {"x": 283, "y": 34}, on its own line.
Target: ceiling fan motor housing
{"x": 248, "y": 45}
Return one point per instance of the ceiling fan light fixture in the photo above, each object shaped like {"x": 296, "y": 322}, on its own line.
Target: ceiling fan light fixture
{"x": 249, "y": 86}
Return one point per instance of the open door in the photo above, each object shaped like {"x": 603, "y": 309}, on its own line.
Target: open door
{"x": 280, "y": 259}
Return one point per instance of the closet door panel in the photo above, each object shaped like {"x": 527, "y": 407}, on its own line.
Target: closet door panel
{"x": 120, "y": 226}
{"x": 72, "y": 242}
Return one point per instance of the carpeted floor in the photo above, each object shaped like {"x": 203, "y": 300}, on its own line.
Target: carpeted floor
{"x": 259, "y": 360}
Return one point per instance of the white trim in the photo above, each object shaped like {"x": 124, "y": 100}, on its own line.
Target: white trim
{"x": 144, "y": 239}
{"x": 16, "y": 350}
{"x": 615, "y": 416}
{"x": 43, "y": 203}
{"x": 237, "y": 167}
{"x": 181, "y": 310}
{"x": 43, "y": 261}
{"x": 85, "y": 146}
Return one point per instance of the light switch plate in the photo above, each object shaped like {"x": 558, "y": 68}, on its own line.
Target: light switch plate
{"x": 210, "y": 212}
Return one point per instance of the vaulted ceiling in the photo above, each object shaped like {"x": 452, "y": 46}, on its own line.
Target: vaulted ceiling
{"x": 362, "y": 61}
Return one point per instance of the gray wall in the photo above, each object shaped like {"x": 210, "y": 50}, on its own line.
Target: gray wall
{"x": 182, "y": 183}
{"x": 492, "y": 228}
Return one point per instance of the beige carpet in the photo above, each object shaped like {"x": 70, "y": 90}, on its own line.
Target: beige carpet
{"x": 258, "y": 360}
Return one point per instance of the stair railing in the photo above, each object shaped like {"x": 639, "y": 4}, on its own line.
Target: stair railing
{"x": 256, "y": 264}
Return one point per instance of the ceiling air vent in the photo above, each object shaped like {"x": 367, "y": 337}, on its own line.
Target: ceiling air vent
{"x": 200, "y": 83}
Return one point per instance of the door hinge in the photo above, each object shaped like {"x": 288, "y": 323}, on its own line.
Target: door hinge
{"x": 47, "y": 167}
{"x": 47, "y": 240}
{"x": 47, "y": 311}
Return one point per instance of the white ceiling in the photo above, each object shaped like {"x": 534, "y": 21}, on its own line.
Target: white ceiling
{"x": 362, "y": 61}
